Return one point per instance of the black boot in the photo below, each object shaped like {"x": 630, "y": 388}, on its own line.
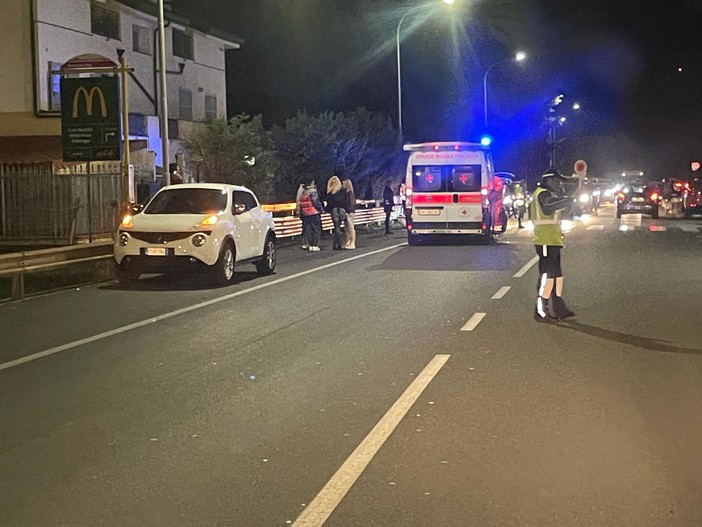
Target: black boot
{"x": 542, "y": 312}
{"x": 560, "y": 309}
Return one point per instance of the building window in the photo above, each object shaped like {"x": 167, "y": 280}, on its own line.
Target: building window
{"x": 137, "y": 125}
{"x": 182, "y": 44}
{"x": 173, "y": 129}
{"x": 210, "y": 106}
{"x": 104, "y": 22}
{"x": 185, "y": 104}
{"x": 141, "y": 39}
{"x": 54, "y": 87}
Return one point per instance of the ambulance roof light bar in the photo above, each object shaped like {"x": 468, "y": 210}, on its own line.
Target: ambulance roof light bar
{"x": 443, "y": 146}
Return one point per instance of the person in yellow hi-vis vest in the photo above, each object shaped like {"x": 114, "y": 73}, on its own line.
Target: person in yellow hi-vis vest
{"x": 548, "y": 200}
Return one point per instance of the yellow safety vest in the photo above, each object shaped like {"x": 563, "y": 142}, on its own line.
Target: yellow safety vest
{"x": 547, "y": 228}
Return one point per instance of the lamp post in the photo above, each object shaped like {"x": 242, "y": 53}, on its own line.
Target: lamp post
{"x": 163, "y": 114}
{"x": 518, "y": 57}
{"x": 399, "y": 70}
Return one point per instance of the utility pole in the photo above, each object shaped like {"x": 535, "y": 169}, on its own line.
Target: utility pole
{"x": 163, "y": 114}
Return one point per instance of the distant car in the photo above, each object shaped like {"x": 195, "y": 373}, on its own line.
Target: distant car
{"x": 638, "y": 199}
{"x": 606, "y": 189}
{"x": 693, "y": 198}
{"x": 193, "y": 228}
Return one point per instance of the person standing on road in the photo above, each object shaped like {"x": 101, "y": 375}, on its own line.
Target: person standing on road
{"x": 336, "y": 206}
{"x": 311, "y": 210}
{"x": 298, "y": 213}
{"x": 548, "y": 200}
{"x": 388, "y": 204}
{"x": 350, "y": 211}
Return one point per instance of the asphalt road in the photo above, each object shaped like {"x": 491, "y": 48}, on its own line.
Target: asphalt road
{"x": 387, "y": 386}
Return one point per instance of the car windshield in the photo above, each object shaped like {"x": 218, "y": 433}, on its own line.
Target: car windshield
{"x": 188, "y": 201}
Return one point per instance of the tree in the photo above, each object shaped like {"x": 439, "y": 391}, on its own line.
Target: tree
{"x": 238, "y": 151}
{"x": 356, "y": 144}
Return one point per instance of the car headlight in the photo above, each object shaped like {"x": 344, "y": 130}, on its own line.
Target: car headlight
{"x": 123, "y": 239}
{"x": 584, "y": 198}
{"x": 199, "y": 240}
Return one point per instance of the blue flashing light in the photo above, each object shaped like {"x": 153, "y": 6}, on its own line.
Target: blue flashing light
{"x": 486, "y": 140}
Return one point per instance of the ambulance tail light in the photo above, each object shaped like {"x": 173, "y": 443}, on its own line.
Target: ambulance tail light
{"x": 408, "y": 198}
{"x": 484, "y": 196}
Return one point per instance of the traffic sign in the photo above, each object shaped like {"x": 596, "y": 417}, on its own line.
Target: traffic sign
{"x": 580, "y": 167}
{"x": 90, "y": 119}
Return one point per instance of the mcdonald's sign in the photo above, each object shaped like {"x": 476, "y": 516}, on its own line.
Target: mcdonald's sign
{"x": 90, "y": 119}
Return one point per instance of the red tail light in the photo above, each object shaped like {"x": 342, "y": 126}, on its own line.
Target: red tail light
{"x": 654, "y": 196}
{"x": 620, "y": 196}
{"x": 409, "y": 226}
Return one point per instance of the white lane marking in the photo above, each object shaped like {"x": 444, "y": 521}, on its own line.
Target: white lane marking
{"x": 596, "y": 228}
{"x": 324, "y": 503}
{"x": 528, "y": 266}
{"x": 689, "y": 228}
{"x": 183, "y": 310}
{"x": 501, "y": 292}
{"x": 473, "y": 322}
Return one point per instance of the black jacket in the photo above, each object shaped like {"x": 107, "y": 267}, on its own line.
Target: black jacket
{"x": 388, "y": 198}
{"x": 337, "y": 201}
{"x": 551, "y": 202}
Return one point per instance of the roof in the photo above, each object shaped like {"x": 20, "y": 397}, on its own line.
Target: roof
{"x": 151, "y": 8}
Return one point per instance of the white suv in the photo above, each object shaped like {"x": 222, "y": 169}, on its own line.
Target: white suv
{"x": 207, "y": 226}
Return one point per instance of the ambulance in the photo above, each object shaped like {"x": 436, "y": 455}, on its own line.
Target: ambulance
{"x": 449, "y": 186}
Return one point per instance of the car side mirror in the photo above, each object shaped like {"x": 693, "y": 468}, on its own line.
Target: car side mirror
{"x": 239, "y": 208}
{"x": 137, "y": 208}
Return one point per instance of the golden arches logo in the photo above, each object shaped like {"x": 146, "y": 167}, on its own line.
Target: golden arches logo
{"x": 88, "y": 97}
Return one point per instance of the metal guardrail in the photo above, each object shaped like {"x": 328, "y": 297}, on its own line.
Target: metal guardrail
{"x": 16, "y": 265}
{"x": 287, "y": 225}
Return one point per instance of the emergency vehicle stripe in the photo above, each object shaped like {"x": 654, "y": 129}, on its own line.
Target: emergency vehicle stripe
{"x": 446, "y": 198}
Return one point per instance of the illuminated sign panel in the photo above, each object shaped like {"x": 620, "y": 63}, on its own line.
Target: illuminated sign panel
{"x": 90, "y": 119}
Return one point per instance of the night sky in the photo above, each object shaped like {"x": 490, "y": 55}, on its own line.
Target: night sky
{"x": 620, "y": 59}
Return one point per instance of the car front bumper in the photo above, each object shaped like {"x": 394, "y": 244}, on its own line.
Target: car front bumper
{"x": 160, "y": 250}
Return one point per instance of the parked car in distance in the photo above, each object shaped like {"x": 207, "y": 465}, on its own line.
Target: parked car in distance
{"x": 196, "y": 227}
{"x": 693, "y": 198}
{"x": 638, "y": 198}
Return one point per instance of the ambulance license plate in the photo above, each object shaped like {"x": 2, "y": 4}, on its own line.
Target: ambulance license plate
{"x": 429, "y": 212}
{"x": 156, "y": 251}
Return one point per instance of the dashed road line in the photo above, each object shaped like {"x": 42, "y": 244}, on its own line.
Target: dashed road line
{"x": 324, "y": 503}
{"x": 526, "y": 268}
{"x": 596, "y": 228}
{"x": 501, "y": 292}
{"x": 473, "y": 322}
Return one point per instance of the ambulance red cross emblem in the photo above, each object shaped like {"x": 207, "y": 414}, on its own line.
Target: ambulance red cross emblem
{"x": 464, "y": 212}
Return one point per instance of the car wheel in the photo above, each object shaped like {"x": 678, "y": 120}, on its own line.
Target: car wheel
{"x": 224, "y": 268}
{"x": 267, "y": 263}
{"x": 126, "y": 276}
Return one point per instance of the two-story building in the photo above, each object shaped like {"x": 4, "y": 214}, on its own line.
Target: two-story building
{"x": 44, "y": 199}
{"x": 38, "y": 36}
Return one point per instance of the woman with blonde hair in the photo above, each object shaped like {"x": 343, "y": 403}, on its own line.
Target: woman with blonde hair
{"x": 336, "y": 206}
{"x": 350, "y": 210}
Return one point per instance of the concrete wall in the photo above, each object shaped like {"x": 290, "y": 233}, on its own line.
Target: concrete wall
{"x": 16, "y": 100}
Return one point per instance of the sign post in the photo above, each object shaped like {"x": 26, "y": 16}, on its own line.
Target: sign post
{"x": 90, "y": 113}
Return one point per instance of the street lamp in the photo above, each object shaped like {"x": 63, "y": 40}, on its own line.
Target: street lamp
{"x": 518, "y": 57}
{"x": 399, "y": 70}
